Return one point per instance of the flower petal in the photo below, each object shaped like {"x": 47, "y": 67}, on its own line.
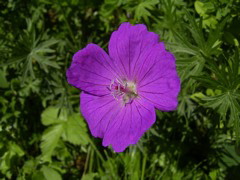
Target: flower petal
{"x": 126, "y": 45}
{"x": 117, "y": 124}
{"x": 129, "y": 125}
{"x": 91, "y": 70}
{"x": 148, "y": 61}
{"x": 159, "y": 83}
{"x": 98, "y": 111}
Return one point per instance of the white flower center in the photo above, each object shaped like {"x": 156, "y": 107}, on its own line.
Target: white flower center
{"x": 124, "y": 91}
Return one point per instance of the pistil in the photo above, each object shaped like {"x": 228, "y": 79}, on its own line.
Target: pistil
{"x": 124, "y": 91}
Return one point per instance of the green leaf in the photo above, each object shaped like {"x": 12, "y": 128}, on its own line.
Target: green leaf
{"x": 50, "y": 139}
{"x": 89, "y": 176}
{"x": 143, "y": 8}
{"x": 31, "y": 49}
{"x": 199, "y": 6}
{"x": 75, "y": 130}
{"x": 44, "y": 46}
{"x": 38, "y": 175}
{"x": 29, "y": 166}
{"x": 196, "y": 96}
{"x": 52, "y": 115}
{"x": 50, "y": 173}
{"x": 30, "y": 86}
{"x": 9, "y": 157}
{"x": 3, "y": 80}
{"x": 210, "y": 21}
{"x": 230, "y": 157}
{"x": 16, "y": 149}
{"x": 12, "y": 60}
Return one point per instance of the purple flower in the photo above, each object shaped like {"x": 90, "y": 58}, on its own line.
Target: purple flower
{"x": 120, "y": 91}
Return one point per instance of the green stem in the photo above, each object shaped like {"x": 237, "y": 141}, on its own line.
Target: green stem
{"x": 87, "y": 160}
{"x": 95, "y": 148}
{"x": 143, "y": 166}
{"x": 91, "y": 161}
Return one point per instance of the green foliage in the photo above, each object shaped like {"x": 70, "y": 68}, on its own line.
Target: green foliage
{"x": 43, "y": 135}
{"x": 71, "y": 128}
{"x": 143, "y": 9}
{"x": 204, "y": 9}
{"x": 226, "y": 79}
{"x": 30, "y": 50}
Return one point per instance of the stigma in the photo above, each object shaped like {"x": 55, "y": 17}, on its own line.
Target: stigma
{"x": 123, "y": 90}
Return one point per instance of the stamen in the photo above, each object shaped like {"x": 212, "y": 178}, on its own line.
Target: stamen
{"x": 123, "y": 90}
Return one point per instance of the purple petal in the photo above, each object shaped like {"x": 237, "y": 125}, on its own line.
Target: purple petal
{"x": 91, "y": 70}
{"x": 159, "y": 83}
{"x": 130, "y": 124}
{"x": 98, "y": 112}
{"x": 147, "y": 62}
{"x": 117, "y": 124}
{"x": 126, "y": 45}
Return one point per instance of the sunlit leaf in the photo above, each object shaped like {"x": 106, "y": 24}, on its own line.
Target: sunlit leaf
{"x": 75, "y": 130}
{"x": 53, "y": 115}
{"x": 50, "y": 139}
{"x": 50, "y": 174}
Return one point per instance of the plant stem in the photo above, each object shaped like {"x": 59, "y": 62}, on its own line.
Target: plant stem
{"x": 143, "y": 166}
{"x": 95, "y": 148}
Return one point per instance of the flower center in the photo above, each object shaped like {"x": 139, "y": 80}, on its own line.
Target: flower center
{"x": 124, "y": 91}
